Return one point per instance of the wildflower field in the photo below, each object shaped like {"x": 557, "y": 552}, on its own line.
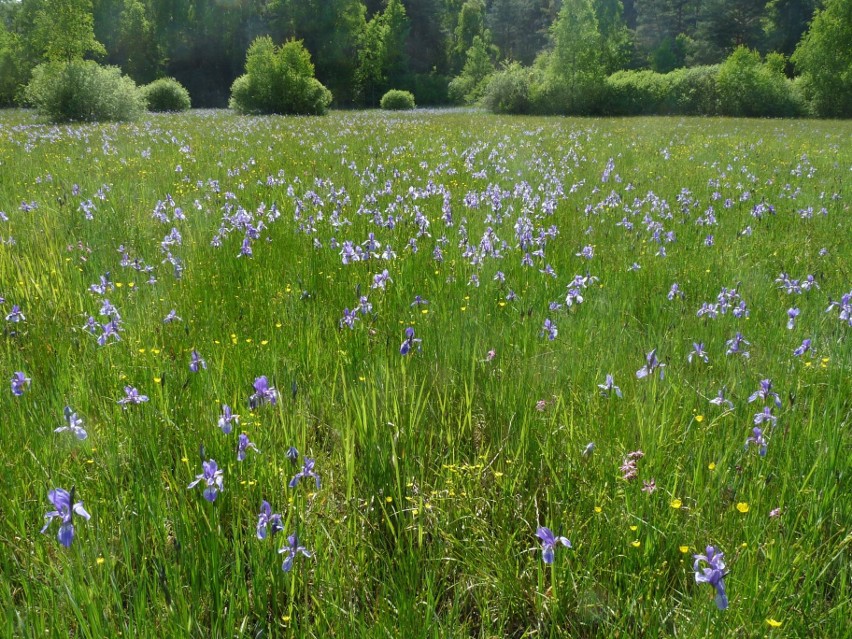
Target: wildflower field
{"x": 438, "y": 374}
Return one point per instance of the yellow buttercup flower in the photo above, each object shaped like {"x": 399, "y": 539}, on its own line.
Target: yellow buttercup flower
{"x": 676, "y": 503}
{"x": 742, "y": 507}
{"x": 683, "y": 549}
{"x": 773, "y": 623}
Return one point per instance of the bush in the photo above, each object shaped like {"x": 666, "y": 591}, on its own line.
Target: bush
{"x": 83, "y": 90}
{"x": 748, "y": 87}
{"x": 509, "y": 90}
{"x": 635, "y": 93}
{"x": 693, "y": 91}
{"x": 680, "y": 92}
{"x": 279, "y": 80}
{"x": 395, "y": 100}
{"x": 166, "y": 94}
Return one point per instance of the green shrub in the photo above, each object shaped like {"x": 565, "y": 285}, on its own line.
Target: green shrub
{"x": 279, "y": 80}
{"x": 681, "y": 92}
{"x": 396, "y": 100}
{"x": 693, "y": 91}
{"x": 166, "y": 94}
{"x": 634, "y": 93}
{"x": 82, "y": 90}
{"x": 751, "y": 88}
{"x": 510, "y": 90}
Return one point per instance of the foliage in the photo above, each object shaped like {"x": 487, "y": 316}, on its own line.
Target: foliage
{"x": 166, "y": 94}
{"x": 724, "y": 25}
{"x": 429, "y": 88}
{"x": 329, "y": 29}
{"x": 396, "y": 100}
{"x": 64, "y": 30}
{"x": 11, "y": 72}
{"x": 575, "y": 68}
{"x": 689, "y": 91}
{"x": 510, "y": 89}
{"x": 469, "y": 86}
{"x": 279, "y": 80}
{"x": 614, "y": 35}
{"x": 824, "y": 58}
{"x": 83, "y": 91}
{"x": 751, "y": 88}
{"x": 471, "y": 25}
{"x": 382, "y": 57}
{"x": 370, "y": 73}
{"x": 136, "y": 46}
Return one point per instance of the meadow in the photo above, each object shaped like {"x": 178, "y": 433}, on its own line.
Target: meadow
{"x": 414, "y": 317}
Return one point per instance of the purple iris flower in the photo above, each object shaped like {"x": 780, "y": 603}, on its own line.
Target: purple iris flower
{"x": 765, "y": 392}
{"x": 243, "y": 445}
{"x": 292, "y": 454}
{"x": 609, "y": 386}
{"x": 792, "y": 314}
{"x": 74, "y": 424}
{"x": 110, "y": 329}
{"x": 62, "y": 500}
{"x": 131, "y": 396}
{"x": 713, "y": 574}
{"x": 804, "y": 348}
{"x": 589, "y": 449}
{"x": 104, "y": 285}
{"x": 307, "y": 471}
{"x": 171, "y": 317}
{"x": 381, "y": 279}
{"x": 674, "y": 291}
{"x": 418, "y": 301}
{"x": 548, "y": 543}
{"x": 19, "y": 380}
{"x": 409, "y": 342}
{"x": 757, "y": 439}
{"x": 549, "y": 329}
{"x": 196, "y": 362}
{"x": 699, "y": 352}
{"x": 267, "y": 518}
{"x": 765, "y": 416}
{"x": 720, "y": 400}
{"x": 735, "y": 345}
{"x": 364, "y": 305}
{"x": 226, "y": 418}
{"x": 263, "y": 393}
{"x": 212, "y": 477}
{"x": 349, "y": 318}
{"x": 652, "y": 364}
{"x": 91, "y": 326}
{"x": 16, "y": 315}
{"x": 587, "y": 252}
{"x": 292, "y": 549}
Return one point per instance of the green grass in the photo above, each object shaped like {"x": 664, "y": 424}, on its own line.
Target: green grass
{"x": 437, "y": 468}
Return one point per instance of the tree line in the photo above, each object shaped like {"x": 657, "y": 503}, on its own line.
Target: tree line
{"x": 440, "y": 50}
